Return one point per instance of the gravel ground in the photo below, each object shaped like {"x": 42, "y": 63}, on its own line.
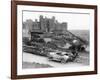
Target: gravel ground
{"x": 37, "y": 61}
{"x": 83, "y": 58}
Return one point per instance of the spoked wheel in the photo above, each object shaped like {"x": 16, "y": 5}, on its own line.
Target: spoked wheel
{"x": 63, "y": 61}
{"x": 50, "y": 58}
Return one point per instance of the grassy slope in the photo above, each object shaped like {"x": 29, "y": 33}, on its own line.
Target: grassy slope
{"x": 84, "y": 34}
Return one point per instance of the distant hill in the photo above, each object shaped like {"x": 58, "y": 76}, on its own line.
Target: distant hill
{"x": 83, "y": 34}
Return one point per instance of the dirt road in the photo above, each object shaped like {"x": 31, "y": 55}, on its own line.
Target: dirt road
{"x": 31, "y": 58}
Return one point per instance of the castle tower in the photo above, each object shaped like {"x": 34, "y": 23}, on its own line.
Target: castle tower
{"x": 41, "y": 19}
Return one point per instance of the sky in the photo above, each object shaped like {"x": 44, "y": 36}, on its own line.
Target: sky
{"x": 75, "y": 21}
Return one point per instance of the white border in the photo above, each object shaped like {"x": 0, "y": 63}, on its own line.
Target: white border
{"x": 21, "y": 71}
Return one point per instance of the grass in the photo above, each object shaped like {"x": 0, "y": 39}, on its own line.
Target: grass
{"x": 35, "y": 65}
{"x": 83, "y": 34}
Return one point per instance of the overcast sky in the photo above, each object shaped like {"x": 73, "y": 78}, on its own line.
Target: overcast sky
{"x": 75, "y": 20}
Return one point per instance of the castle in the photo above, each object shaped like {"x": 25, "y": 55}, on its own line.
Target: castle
{"x": 45, "y": 24}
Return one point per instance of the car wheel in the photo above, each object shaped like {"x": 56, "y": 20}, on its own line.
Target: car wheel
{"x": 63, "y": 61}
{"x": 71, "y": 58}
{"x": 50, "y": 58}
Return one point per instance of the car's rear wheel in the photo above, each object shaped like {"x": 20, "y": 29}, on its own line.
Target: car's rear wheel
{"x": 50, "y": 58}
{"x": 63, "y": 61}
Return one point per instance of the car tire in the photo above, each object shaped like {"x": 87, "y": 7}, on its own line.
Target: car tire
{"x": 63, "y": 61}
{"x": 50, "y": 58}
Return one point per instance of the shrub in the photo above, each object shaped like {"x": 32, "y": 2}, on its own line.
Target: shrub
{"x": 26, "y": 41}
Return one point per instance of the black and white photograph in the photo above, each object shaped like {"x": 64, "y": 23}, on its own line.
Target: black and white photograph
{"x": 55, "y": 39}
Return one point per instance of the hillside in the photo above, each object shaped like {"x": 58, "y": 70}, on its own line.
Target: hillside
{"x": 83, "y": 34}
{"x": 54, "y": 41}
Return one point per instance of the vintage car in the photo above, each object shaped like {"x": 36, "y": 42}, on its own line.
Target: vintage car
{"x": 63, "y": 57}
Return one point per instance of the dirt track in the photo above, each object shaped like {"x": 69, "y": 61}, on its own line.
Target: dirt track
{"x": 31, "y": 58}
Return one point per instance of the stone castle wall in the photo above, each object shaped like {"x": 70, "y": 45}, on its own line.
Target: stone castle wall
{"x": 46, "y": 24}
